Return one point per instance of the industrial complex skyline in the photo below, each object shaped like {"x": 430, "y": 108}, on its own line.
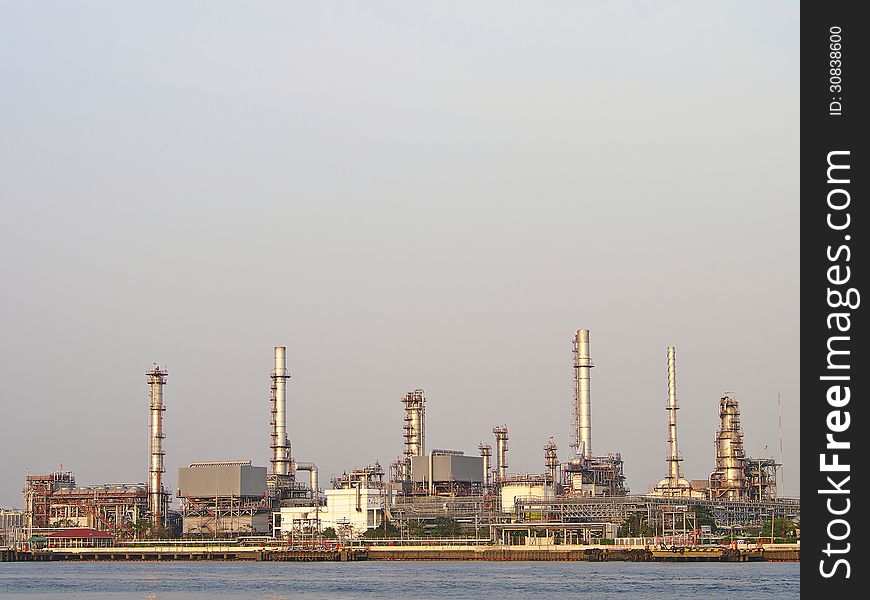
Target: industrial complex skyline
{"x": 405, "y": 197}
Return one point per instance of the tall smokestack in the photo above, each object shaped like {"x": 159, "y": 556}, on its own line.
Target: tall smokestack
{"x": 582, "y": 405}
{"x": 673, "y": 455}
{"x": 501, "y": 446}
{"x": 157, "y": 500}
{"x": 280, "y": 444}
{"x": 414, "y": 429}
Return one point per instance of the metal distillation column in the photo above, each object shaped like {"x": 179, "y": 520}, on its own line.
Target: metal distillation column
{"x": 414, "y": 428}
{"x": 156, "y": 497}
{"x": 728, "y": 480}
{"x": 486, "y": 454}
{"x": 582, "y": 404}
{"x": 501, "y": 446}
{"x": 280, "y": 444}
{"x": 551, "y": 459}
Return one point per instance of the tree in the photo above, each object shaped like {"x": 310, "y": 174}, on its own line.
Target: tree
{"x": 330, "y": 534}
{"x": 446, "y": 527}
{"x": 782, "y": 527}
{"x": 139, "y": 528}
{"x": 634, "y": 526}
{"x": 416, "y": 529}
{"x": 385, "y": 531}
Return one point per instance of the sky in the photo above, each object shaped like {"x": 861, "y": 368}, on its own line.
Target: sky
{"x": 405, "y": 195}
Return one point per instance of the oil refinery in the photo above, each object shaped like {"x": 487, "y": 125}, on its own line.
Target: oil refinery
{"x": 425, "y": 493}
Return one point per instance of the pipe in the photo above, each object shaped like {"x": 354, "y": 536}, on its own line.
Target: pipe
{"x": 582, "y": 404}
{"x": 312, "y": 469}
{"x": 280, "y": 443}
{"x": 431, "y": 482}
{"x": 156, "y": 497}
{"x": 673, "y": 454}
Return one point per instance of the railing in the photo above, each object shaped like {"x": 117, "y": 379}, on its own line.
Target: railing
{"x": 462, "y": 541}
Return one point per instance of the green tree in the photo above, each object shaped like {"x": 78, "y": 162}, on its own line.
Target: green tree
{"x": 782, "y": 528}
{"x": 330, "y": 534}
{"x": 416, "y": 529}
{"x": 385, "y": 531}
{"x": 139, "y": 528}
{"x": 446, "y": 527}
{"x": 636, "y": 526}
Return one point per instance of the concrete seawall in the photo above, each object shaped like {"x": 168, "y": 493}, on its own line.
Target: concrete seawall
{"x": 582, "y": 553}
{"x": 778, "y": 553}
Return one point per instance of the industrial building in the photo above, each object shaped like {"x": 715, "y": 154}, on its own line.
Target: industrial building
{"x": 585, "y": 497}
{"x": 224, "y": 498}
{"x": 358, "y": 501}
{"x": 587, "y": 474}
{"x": 12, "y": 525}
{"x": 53, "y": 500}
{"x": 578, "y": 500}
{"x": 736, "y": 476}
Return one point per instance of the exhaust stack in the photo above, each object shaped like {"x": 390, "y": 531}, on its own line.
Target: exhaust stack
{"x": 728, "y": 481}
{"x": 582, "y": 404}
{"x": 280, "y": 444}
{"x": 673, "y": 455}
{"x": 157, "y": 499}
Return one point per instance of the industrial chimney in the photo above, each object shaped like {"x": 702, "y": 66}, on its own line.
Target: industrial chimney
{"x": 673, "y": 455}
{"x": 280, "y": 444}
{"x": 157, "y": 499}
{"x": 582, "y": 405}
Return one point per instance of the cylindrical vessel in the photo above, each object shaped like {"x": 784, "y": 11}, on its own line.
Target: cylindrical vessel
{"x": 486, "y": 454}
{"x": 501, "y": 446}
{"x": 551, "y": 460}
{"x": 280, "y": 443}
{"x": 728, "y": 481}
{"x": 156, "y": 498}
{"x": 583, "y": 406}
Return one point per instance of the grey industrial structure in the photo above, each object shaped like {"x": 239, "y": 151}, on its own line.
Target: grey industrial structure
{"x": 221, "y": 498}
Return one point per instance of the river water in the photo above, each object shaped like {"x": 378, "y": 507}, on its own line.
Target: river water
{"x": 417, "y": 580}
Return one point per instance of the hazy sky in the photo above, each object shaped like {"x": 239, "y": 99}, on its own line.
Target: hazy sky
{"x": 431, "y": 195}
